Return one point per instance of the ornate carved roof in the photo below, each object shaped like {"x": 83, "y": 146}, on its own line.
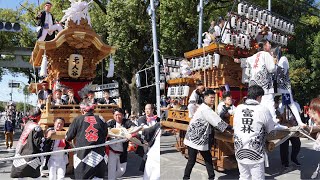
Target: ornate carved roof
{"x": 74, "y": 39}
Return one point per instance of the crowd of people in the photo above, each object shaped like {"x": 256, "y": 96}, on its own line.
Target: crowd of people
{"x": 66, "y": 96}
{"x": 88, "y": 129}
{"x": 258, "y": 115}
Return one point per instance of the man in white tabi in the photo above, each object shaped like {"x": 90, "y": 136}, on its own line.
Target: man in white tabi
{"x": 252, "y": 122}
{"x": 200, "y": 134}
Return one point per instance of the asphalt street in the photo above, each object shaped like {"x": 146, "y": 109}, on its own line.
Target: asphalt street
{"x": 132, "y": 171}
{"x": 173, "y": 164}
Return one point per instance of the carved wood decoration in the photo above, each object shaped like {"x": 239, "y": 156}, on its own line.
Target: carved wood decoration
{"x": 74, "y": 39}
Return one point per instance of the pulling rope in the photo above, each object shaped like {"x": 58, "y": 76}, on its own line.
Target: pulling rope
{"x": 64, "y": 150}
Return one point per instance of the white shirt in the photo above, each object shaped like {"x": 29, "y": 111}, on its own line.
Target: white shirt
{"x": 199, "y": 129}
{"x": 194, "y": 97}
{"x": 251, "y": 123}
{"x": 217, "y": 30}
{"x": 117, "y": 146}
{"x": 262, "y": 65}
{"x": 48, "y": 19}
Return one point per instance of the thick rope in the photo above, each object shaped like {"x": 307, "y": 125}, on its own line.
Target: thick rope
{"x": 64, "y": 150}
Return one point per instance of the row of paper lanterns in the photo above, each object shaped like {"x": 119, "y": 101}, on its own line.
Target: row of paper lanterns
{"x": 178, "y": 91}
{"x": 171, "y": 62}
{"x": 277, "y": 38}
{"x": 245, "y": 27}
{"x": 263, "y": 17}
{"x": 206, "y": 62}
{"x": 242, "y": 41}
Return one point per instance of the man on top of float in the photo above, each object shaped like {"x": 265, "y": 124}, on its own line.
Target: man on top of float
{"x": 47, "y": 24}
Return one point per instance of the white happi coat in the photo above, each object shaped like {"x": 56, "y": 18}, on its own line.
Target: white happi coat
{"x": 199, "y": 129}
{"x": 251, "y": 123}
{"x": 261, "y": 66}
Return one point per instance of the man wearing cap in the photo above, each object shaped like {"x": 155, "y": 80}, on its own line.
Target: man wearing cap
{"x": 31, "y": 141}
{"x": 46, "y": 22}
{"x": 89, "y": 129}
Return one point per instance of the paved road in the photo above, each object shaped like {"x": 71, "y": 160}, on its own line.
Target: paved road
{"x": 5, "y": 167}
{"x": 173, "y": 164}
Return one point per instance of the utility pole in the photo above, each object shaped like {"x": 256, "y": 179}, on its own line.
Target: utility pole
{"x": 155, "y": 55}
{"x": 269, "y": 5}
{"x": 200, "y": 10}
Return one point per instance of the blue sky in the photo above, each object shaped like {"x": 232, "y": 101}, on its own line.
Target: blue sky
{"x": 13, "y": 4}
{"x": 5, "y": 90}
{"x": 17, "y": 93}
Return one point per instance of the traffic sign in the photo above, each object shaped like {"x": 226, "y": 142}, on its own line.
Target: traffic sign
{"x": 14, "y": 85}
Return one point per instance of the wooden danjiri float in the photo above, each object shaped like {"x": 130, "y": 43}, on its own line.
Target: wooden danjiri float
{"x": 70, "y": 60}
{"x": 214, "y": 65}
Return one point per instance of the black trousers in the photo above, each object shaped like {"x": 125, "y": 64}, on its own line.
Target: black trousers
{"x": 284, "y": 150}
{"x": 192, "y": 153}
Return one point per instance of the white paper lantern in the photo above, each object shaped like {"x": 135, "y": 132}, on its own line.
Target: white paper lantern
{"x": 273, "y": 21}
{"x": 43, "y": 67}
{"x": 255, "y": 14}
{"x": 239, "y": 25}
{"x": 291, "y": 29}
{"x": 241, "y": 9}
{"x": 234, "y": 39}
{"x": 216, "y": 59}
{"x": 274, "y": 37}
{"x": 244, "y": 27}
{"x": 208, "y": 61}
{"x": 247, "y": 42}
{"x": 269, "y": 20}
{"x": 282, "y": 40}
{"x": 250, "y": 12}
{"x": 227, "y": 39}
{"x": 285, "y": 42}
{"x": 260, "y": 14}
{"x": 276, "y": 22}
{"x": 233, "y": 22}
{"x": 264, "y": 18}
{"x": 169, "y": 92}
{"x": 255, "y": 31}
{"x": 186, "y": 91}
{"x": 284, "y": 26}
{"x": 280, "y": 24}
{"x": 199, "y": 63}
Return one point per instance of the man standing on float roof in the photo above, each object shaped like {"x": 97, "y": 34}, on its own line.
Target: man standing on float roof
{"x": 47, "y": 23}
